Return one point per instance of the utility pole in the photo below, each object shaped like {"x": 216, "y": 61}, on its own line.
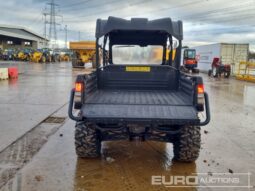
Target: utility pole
{"x": 65, "y": 36}
{"x": 45, "y": 28}
{"x": 79, "y": 36}
{"x": 53, "y": 24}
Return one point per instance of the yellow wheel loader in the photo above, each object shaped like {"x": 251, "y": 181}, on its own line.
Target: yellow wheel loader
{"x": 41, "y": 56}
{"x": 65, "y": 56}
{"x": 37, "y": 57}
{"x": 24, "y": 55}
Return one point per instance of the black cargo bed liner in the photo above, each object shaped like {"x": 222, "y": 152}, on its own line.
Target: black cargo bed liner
{"x": 171, "y": 107}
{"x": 129, "y": 97}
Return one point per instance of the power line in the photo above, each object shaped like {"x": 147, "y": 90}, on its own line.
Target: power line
{"x": 173, "y": 7}
{"x": 65, "y": 29}
{"x": 136, "y": 3}
{"x": 221, "y": 11}
{"x": 116, "y": 9}
{"x": 202, "y": 16}
{"x": 74, "y": 4}
{"x": 36, "y": 19}
{"x": 45, "y": 25}
{"x": 94, "y": 6}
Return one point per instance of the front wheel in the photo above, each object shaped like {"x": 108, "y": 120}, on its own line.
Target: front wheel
{"x": 187, "y": 144}
{"x": 87, "y": 140}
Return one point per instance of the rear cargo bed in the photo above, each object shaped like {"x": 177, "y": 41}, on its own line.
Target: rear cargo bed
{"x": 140, "y": 105}
{"x": 130, "y": 97}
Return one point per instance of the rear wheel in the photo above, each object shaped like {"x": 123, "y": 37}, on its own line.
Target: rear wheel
{"x": 94, "y": 64}
{"x": 184, "y": 69}
{"x": 215, "y": 72}
{"x": 187, "y": 144}
{"x": 227, "y": 74}
{"x": 87, "y": 140}
{"x": 77, "y": 63}
{"x": 209, "y": 72}
{"x": 195, "y": 70}
{"x": 43, "y": 60}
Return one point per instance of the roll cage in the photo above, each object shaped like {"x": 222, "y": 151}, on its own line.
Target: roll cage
{"x": 139, "y": 31}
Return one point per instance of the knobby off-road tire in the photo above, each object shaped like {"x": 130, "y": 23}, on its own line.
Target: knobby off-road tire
{"x": 226, "y": 74}
{"x": 187, "y": 144}
{"x": 43, "y": 59}
{"x": 209, "y": 73}
{"x": 94, "y": 63}
{"x": 195, "y": 70}
{"x": 87, "y": 141}
{"x": 215, "y": 72}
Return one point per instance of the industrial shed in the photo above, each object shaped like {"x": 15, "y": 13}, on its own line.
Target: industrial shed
{"x": 19, "y": 37}
{"x": 230, "y": 53}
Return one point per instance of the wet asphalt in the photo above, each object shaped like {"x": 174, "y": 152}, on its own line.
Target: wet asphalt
{"x": 24, "y": 102}
{"x": 227, "y": 142}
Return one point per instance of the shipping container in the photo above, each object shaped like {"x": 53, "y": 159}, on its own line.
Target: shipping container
{"x": 229, "y": 54}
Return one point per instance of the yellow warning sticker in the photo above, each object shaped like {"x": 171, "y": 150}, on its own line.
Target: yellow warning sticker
{"x": 138, "y": 69}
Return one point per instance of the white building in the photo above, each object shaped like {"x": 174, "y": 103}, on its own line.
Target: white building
{"x": 229, "y": 54}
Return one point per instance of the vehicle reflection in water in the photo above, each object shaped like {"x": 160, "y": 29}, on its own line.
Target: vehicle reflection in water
{"x": 233, "y": 90}
{"x": 130, "y": 166}
{"x": 249, "y": 92}
{"x": 13, "y": 83}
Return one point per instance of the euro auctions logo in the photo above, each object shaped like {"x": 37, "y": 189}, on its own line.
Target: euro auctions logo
{"x": 206, "y": 180}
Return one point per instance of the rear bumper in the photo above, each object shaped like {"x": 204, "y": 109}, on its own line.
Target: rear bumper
{"x": 144, "y": 114}
{"x": 70, "y": 108}
{"x": 207, "y": 111}
{"x": 140, "y": 121}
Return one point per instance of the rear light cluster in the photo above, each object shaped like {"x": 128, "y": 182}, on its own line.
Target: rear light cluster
{"x": 79, "y": 88}
{"x": 200, "y": 97}
{"x": 200, "y": 89}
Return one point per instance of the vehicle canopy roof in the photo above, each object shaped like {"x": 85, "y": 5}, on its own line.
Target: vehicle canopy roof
{"x": 139, "y": 30}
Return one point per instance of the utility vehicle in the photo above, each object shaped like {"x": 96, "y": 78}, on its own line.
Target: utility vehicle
{"x": 128, "y": 97}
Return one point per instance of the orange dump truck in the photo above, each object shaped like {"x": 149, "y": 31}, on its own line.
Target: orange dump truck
{"x": 83, "y": 52}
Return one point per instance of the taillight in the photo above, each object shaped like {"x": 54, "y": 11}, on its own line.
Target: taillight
{"x": 200, "y": 89}
{"x": 200, "y": 97}
{"x": 78, "y": 87}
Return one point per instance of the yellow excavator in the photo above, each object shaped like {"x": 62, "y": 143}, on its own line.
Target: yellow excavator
{"x": 83, "y": 52}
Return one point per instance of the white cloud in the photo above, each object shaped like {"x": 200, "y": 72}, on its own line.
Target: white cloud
{"x": 205, "y": 21}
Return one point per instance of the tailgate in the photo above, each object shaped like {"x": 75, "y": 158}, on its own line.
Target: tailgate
{"x": 139, "y": 112}
{"x": 144, "y": 113}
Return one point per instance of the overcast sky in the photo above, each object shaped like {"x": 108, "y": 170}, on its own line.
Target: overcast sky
{"x": 205, "y": 21}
